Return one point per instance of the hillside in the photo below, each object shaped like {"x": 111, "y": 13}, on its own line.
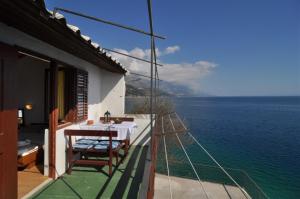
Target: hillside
{"x": 133, "y": 90}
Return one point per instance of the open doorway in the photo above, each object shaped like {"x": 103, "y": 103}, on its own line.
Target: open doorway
{"x": 32, "y": 121}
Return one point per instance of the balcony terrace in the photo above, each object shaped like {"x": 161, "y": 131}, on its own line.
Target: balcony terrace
{"x": 94, "y": 182}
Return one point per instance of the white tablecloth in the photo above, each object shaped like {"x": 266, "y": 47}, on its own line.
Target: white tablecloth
{"x": 125, "y": 129}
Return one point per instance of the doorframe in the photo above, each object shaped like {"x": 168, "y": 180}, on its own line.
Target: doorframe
{"x": 53, "y": 117}
{"x": 8, "y": 122}
{"x": 53, "y": 110}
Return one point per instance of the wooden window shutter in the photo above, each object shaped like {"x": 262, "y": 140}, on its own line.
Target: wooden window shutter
{"x": 76, "y": 95}
{"x": 82, "y": 95}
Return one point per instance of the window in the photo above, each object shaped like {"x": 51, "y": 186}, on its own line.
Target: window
{"x": 82, "y": 95}
{"x": 61, "y": 95}
{"x": 72, "y": 98}
{"x": 76, "y": 95}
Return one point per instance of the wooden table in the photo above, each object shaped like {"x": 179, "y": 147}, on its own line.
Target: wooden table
{"x": 125, "y": 130}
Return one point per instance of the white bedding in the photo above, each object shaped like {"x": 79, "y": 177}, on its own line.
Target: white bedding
{"x": 26, "y": 148}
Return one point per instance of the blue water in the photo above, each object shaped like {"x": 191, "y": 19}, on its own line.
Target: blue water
{"x": 260, "y": 135}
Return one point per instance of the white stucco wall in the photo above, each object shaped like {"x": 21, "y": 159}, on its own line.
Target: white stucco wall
{"x": 106, "y": 90}
{"x": 94, "y": 90}
{"x": 113, "y": 90}
{"x": 61, "y": 150}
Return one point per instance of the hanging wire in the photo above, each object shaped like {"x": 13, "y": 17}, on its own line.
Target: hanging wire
{"x": 192, "y": 165}
{"x": 133, "y": 57}
{"x": 199, "y": 180}
{"x": 172, "y": 123}
{"x": 166, "y": 157}
{"x": 106, "y": 22}
{"x": 180, "y": 121}
{"x": 141, "y": 75}
{"x": 215, "y": 161}
{"x": 228, "y": 175}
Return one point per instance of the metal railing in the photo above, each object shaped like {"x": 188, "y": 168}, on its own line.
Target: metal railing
{"x": 209, "y": 170}
{"x": 210, "y": 173}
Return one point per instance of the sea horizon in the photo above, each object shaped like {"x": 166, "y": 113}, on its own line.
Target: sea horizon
{"x": 221, "y": 96}
{"x": 259, "y": 135}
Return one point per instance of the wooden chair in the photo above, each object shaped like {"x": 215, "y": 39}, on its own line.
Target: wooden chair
{"x": 92, "y": 152}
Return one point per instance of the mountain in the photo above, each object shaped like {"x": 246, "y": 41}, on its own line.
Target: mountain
{"x": 141, "y": 87}
{"x": 132, "y": 90}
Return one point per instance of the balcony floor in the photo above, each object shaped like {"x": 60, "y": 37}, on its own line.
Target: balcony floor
{"x": 92, "y": 182}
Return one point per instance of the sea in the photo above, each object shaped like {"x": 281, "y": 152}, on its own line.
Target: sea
{"x": 259, "y": 136}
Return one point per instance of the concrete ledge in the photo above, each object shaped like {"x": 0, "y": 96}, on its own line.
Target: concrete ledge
{"x": 188, "y": 188}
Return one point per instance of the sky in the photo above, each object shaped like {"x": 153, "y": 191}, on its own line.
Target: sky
{"x": 223, "y": 48}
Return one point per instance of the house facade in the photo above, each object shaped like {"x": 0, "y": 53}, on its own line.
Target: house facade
{"x": 65, "y": 78}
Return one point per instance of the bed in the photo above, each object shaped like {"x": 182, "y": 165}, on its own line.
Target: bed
{"x": 30, "y": 146}
{"x": 29, "y": 154}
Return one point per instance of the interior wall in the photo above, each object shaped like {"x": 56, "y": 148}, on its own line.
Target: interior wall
{"x": 31, "y": 86}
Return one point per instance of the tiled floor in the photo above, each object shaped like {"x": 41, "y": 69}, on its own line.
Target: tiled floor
{"x": 28, "y": 179}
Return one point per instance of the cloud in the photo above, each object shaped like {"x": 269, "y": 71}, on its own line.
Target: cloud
{"x": 183, "y": 74}
{"x": 187, "y": 74}
{"x": 171, "y": 49}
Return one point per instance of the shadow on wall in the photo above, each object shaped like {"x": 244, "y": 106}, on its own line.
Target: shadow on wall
{"x": 113, "y": 92}
{"x": 102, "y": 83}
{"x": 110, "y": 84}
